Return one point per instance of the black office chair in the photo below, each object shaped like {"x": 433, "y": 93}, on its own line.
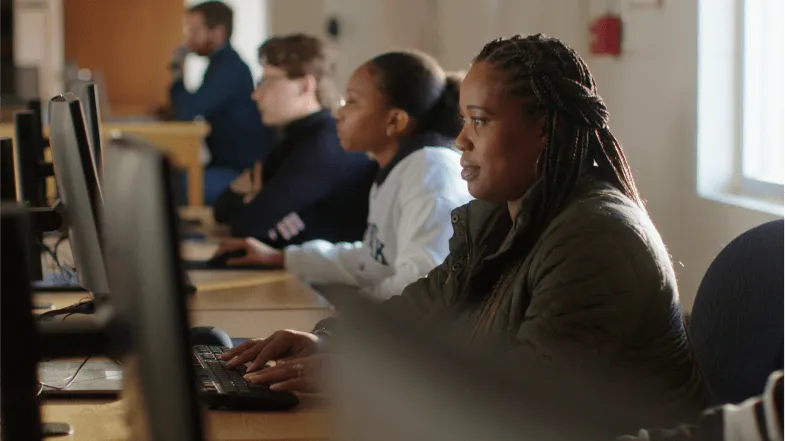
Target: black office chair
{"x": 736, "y": 327}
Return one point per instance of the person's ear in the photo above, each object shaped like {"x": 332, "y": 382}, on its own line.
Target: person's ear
{"x": 397, "y": 122}
{"x": 219, "y": 34}
{"x": 542, "y": 124}
{"x": 308, "y": 85}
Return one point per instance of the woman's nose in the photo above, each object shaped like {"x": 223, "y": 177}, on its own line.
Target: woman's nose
{"x": 462, "y": 143}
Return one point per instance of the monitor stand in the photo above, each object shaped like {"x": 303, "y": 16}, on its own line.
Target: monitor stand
{"x": 53, "y": 282}
{"x": 56, "y": 429}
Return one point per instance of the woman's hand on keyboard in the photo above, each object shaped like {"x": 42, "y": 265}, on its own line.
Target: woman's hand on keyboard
{"x": 294, "y": 374}
{"x": 256, "y": 253}
{"x": 281, "y": 345}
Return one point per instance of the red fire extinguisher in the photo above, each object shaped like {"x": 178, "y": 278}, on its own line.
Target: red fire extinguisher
{"x": 606, "y": 35}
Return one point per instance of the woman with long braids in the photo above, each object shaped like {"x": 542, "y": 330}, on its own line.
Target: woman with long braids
{"x": 556, "y": 260}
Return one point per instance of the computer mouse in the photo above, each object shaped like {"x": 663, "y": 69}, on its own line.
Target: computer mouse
{"x": 210, "y": 336}
{"x": 220, "y": 260}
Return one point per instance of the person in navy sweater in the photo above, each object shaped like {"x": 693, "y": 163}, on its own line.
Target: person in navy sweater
{"x": 237, "y": 137}
{"x": 308, "y": 187}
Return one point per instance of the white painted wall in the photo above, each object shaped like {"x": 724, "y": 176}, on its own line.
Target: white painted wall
{"x": 464, "y": 26}
{"x": 367, "y": 27}
{"x": 362, "y": 34}
{"x": 38, "y": 41}
{"x": 652, "y": 94}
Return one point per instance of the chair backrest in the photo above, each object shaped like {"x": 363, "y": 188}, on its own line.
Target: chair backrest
{"x": 736, "y": 327}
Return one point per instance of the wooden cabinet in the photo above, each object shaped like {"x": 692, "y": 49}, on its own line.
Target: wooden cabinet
{"x": 128, "y": 43}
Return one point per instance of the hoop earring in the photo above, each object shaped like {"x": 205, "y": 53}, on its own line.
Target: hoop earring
{"x": 537, "y": 164}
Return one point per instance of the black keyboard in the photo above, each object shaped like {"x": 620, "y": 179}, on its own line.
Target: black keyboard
{"x": 225, "y": 388}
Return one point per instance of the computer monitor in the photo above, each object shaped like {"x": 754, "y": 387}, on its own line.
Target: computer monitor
{"x": 148, "y": 291}
{"x": 29, "y": 158}
{"x": 34, "y": 106}
{"x": 77, "y": 182}
{"x": 125, "y": 141}
{"x": 149, "y": 327}
{"x": 7, "y": 173}
{"x": 87, "y": 93}
{"x": 31, "y": 173}
{"x": 20, "y": 415}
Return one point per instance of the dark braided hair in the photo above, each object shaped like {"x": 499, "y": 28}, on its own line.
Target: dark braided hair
{"x": 553, "y": 78}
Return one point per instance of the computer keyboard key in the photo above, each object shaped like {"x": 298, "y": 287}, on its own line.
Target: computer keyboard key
{"x": 224, "y": 388}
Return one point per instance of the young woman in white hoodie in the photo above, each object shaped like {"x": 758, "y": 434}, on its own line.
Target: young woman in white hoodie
{"x": 401, "y": 108}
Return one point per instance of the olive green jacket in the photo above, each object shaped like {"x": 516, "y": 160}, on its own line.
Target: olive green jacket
{"x": 596, "y": 292}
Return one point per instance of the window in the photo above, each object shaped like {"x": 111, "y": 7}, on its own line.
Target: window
{"x": 763, "y": 135}
{"x": 741, "y": 102}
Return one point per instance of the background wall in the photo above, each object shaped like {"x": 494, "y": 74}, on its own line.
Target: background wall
{"x": 38, "y": 41}
{"x": 650, "y": 90}
{"x": 652, "y": 94}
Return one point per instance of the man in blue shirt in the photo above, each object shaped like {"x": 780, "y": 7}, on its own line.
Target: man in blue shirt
{"x": 237, "y": 138}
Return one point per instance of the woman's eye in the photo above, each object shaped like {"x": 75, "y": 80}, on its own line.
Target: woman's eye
{"x": 474, "y": 122}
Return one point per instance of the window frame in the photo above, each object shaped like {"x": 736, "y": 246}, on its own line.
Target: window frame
{"x": 720, "y": 119}
{"x": 748, "y": 185}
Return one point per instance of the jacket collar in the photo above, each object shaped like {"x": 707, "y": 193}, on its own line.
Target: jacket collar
{"x": 485, "y": 214}
{"x": 483, "y": 220}
{"x": 409, "y": 145}
{"x": 223, "y": 49}
{"x": 526, "y": 206}
{"x": 307, "y": 124}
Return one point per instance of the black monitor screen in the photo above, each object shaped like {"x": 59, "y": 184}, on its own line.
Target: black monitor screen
{"x": 77, "y": 183}
{"x": 148, "y": 289}
{"x": 88, "y": 97}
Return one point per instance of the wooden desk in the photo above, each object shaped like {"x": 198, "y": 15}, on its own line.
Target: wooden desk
{"x": 181, "y": 140}
{"x": 208, "y": 227}
{"x": 102, "y": 421}
{"x": 244, "y": 303}
{"x": 251, "y": 311}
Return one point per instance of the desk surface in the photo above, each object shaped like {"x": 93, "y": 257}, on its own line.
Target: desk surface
{"x": 225, "y": 289}
{"x": 242, "y": 303}
{"x": 196, "y": 128}
{"x": 215, "y": 280}
{"x": 278, "y": 300}
{"x": 191, "y": 129}
{"x": 287, "y": 293}
{"x": 106, "y": 422}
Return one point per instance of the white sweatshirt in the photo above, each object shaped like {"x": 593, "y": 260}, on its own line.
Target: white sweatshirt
{"x": 408, "y": 229}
